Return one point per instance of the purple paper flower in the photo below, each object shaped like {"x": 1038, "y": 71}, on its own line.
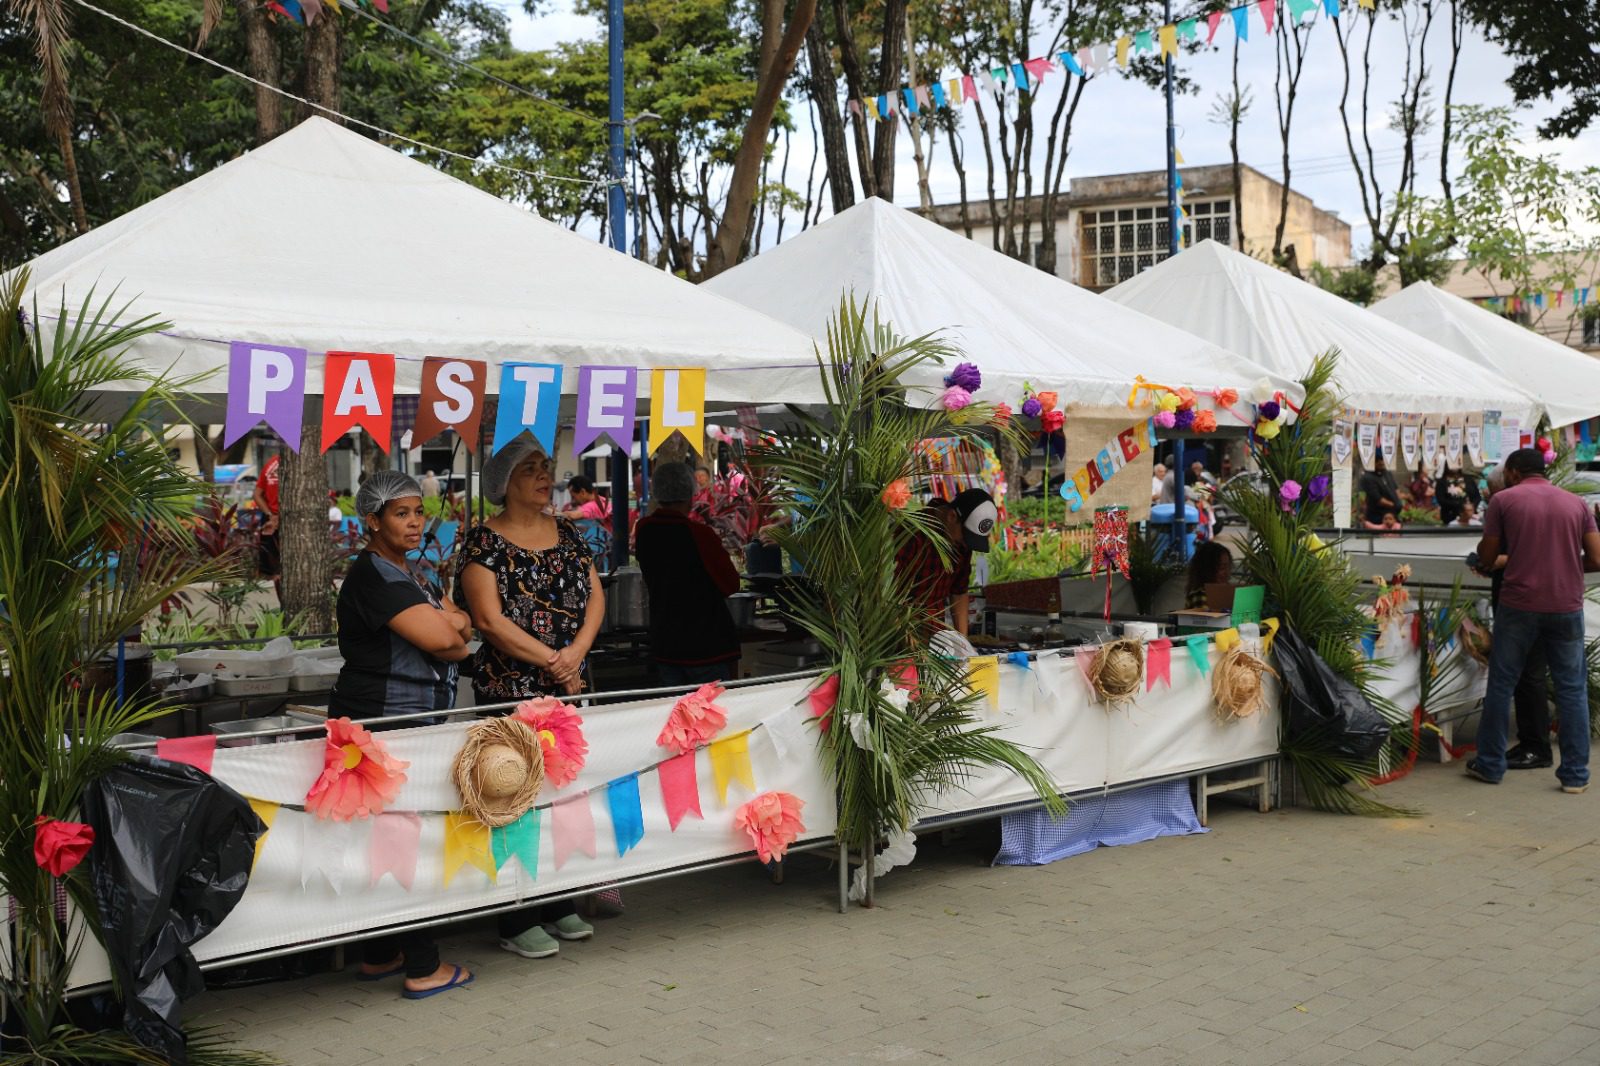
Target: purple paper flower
{"x": 1269, "y": 411}
{"x": 1165, "y": 419}
{"x": 955, "y": 398}
{"x": 965, "y": 375}
{"x": 1030, "y": 407}
{"x": 1183, "y": 418}
{"x": 1318, "y": 488}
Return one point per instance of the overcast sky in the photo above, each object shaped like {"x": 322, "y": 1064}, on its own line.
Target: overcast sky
{"x": 1120, "y": 124}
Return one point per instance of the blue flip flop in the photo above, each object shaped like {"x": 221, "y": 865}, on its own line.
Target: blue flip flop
{"x": 456, "y": 981}
{"x": 384, "y": 976}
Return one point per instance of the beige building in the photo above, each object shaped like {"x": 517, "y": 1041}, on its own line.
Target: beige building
{"x": 1111, "y": 227}
{"x": 1561, "y": 318}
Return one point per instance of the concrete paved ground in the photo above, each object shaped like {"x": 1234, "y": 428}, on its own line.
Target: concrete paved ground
{"x": 1468, "y": 935}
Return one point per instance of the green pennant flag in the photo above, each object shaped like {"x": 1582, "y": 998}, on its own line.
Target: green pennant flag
{"x": 521, "y": 839}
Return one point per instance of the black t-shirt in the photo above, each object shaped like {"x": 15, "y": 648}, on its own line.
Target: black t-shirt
{"x": 383, "y": 672}
{"x": 1376, "y": 487}
{"x": 690, "y": 578}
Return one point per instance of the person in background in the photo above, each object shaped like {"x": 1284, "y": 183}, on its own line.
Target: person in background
{"x": 1157, "y": 475}
{"x": 586, "y": 502}
{"x": 689, "y": 577}
{"x": 702, "y": 478}
{"x": 1379, "y": 491}
{"x": 430, "y": 485}
{"x": 966, "y": 522}
{"x": 268, "y": 562}
{"x": 1212, "y": 565}
{"x": 529, "y": 581}
{"x": 1199, "y": 475}
{"x": 1169, "y": 491}
{"x": 335, "y": 515}
{"x": 1458, "y": 497}
{"x": 400, "y": 641}
{"x": 1421, "y": 491}
{"x": 1549, "y": 538}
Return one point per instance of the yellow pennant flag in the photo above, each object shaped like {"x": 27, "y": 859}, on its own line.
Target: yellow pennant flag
{"x": 268, "y": 813}
{"x": 1226, "y": 639}
{"x": 1269, "y": 629}
{"x": 983, "y": 675}
{"x": 677, "y": 405}
{"x": 1177, "y": 155}
{"x": 1370, "y": 5}
{"x": 466, "y": 840}
{"x": 872, "y": 108}
{"x": 1122, "y": 50}
{"x": 1168, "y": 36}
{"x": 952, "y": 91}
{"x": 730, "y": 761}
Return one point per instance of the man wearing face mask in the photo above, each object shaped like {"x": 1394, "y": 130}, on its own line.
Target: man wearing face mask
{"x": 965, "y": 523}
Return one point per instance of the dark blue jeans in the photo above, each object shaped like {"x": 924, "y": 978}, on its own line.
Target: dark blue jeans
{"x": 1560, "y": 637}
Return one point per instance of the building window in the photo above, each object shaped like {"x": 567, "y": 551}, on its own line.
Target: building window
{"x": 1119, "y": 242}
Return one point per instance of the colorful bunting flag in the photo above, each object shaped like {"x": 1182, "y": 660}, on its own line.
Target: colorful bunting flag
{"x": 939, "y": 99}
{"x": 680, "y": 791}
{"x": 1144, "y": 41}
{"x": 627, "y": 815}
{"x": 1019, "y": 74}
{"x": 452, "y": 398}
{"x": 466, "y": 842}
{"x": 354, "y": 388}
{"x": 606, "y": 399}
{"x": 1122, "y": 49}
{"x": 1072, "y": 64}
{"x": 1199, "y": 652}
{"x": 392, "y": 848}
{"x": 730, "y": 761}
{"x": 983, "y": 675}
{"x": 519, "y": 840}
{"x": 268, "y": 813}
{"x": 530, "y": 398}
{"x": 911, "y": 107}
{"x": 1169, "y": 41}
{"x": 677, "y": 405}
{"x": 1241, "y": 22}
{"x": 1157, "y": 663}
{"x": 1213, "y": 20}
{"x": 1269, "y": 12}
{"x": 192, "y": 751}
{"x": 1188, "y": 29}
{"x": 266, "y": 383}
{"x": 572, "y": 825}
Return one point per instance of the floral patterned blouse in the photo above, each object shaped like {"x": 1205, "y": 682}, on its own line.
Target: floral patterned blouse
{"x": 545, "y": 592}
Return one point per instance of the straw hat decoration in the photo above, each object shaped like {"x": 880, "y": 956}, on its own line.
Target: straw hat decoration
{"x": 499, "y": 771}
{"x": 1118, "y": 672}
{"x": 1236, "y": 685}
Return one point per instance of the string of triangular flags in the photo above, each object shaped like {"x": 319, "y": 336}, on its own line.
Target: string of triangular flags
{"x": 305, "y": 12}
{"x": 1546, "y": 298}
{"x": 1025, "y": 75}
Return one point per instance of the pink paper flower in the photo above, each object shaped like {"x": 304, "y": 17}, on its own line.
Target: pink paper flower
{"x": 1288, "y": 493}
{"x": 896, "y": 494}
{"x": 955, "y": 398}
{"x": 1550, "y": 457}
{"x": 359, "y": 776}
{"x": 1165, "y": 419}
{"x": 1205, "y": 422}
{"x": 59, "y": 846}
{"x": 695, "y": 719}
{"x": 773, "y": 821}
{"x": 822, "y": 698}
{"x": 560, "y": 732}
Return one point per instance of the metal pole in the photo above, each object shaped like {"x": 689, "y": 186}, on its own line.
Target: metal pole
{"x": 617, "y": 209}
{"x": 1180, "y": 540}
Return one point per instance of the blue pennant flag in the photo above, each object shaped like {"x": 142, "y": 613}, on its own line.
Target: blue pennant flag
{"x": 1331, "y": 8}
{"x": 1019, "y": 658}
{"x": 1020, "y": 72}
{"x": 1241, "y": 22}
{"x": 1070, "y": 61}
{"x": 939, "y": 98}
{"x": 627, "y": 816}
{"x": 911, "y": 100}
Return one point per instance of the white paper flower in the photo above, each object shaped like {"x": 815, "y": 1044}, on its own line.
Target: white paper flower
{"x": 860, "y": 729}
{"x": 896, "y": 697}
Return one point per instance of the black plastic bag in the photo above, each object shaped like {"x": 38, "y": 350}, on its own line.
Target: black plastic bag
{"x": 1321, "y": 709}
{"x": 171, "y": 858}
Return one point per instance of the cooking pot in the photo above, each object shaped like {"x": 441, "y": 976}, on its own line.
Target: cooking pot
{"x": 742, "y": 606}
{"x": 627, "y": 603}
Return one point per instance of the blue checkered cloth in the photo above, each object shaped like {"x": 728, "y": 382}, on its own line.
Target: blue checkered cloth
{"x": 1031, "y": 838}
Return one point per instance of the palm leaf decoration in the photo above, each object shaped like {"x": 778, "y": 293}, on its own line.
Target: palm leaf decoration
{"x": 887, "y": 756}
{"x": 1315, "y": 592}
{"x": 92, "y": 539}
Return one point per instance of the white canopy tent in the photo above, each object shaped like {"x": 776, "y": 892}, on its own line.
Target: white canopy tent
{"x": 1282, "y": 322}
{"x": 324, "y": 239}
{"x": 1017, "y": 323}
{"x": 1566, "y": 382}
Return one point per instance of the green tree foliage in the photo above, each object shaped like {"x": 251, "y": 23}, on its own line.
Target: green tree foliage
{"x": 1354, "y": 283}
{"x": 1557, "y": 49}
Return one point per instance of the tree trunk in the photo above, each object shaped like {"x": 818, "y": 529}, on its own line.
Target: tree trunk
{"x": 919, "y": 124}
{"x": 894, "y": 25}
{"x": 778, "y": 53}
{"x": 319, "y": 78}
{"x": 856, "y": 83}
{"x": 261, "y": 63}
{"x": 69, "y": 163}
{"x": 1234, "y": 120}
{"x": 205, "y": 456}
{"x": 303, "y": 540}
{"x": 836, "y": 153}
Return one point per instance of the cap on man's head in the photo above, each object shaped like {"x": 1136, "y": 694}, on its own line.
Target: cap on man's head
{"x": 978, "y": 515}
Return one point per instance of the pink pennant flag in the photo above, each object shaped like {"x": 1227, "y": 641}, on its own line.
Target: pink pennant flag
{"x": 1213, "y": 20}
{"x": 680, "y": 789}
{"x": 393, "y": 848}
{"x": 1269, "y": 11}
{"x": 573, "y": 823}
{"x": 193, "y": 751}
{"x": 1158, "y": 663}
{"x": 922, "y": 96}
{"x": 855, "y": 107}
{"x": 969, "y": 88}
{"x": 822, "y": 698}
{"x": 1038, "y": 68}
{"x": 1085, "y": 659}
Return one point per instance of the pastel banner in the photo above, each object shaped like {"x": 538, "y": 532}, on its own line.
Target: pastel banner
{"x": 627, "y": 816}
{"x": 822, "y": 699}
{"x": 323, "y": 845}
{"x": 268, "y": 813}
{"x": 1168, "y": 35}
{"x": 1188, "y": 31}
{"x": 939, "y": 98}
{"x": 1389, "y": 440}
{"x": 1144, "y": 41}
{"x": 1226, "y": 640}
{"x": 1408, "y": 445}
{"x": 1269, "y": 12}
{"x": 452, "y": 398}
{"x": 393, "y": 847}
{"x": 266, "y": 383}
{"x": 1299, "y": 9}
{"x": 519, "y": 840}
{"x": 1157, "y": 663}
{"x": 572, "y": 824}
{"x": 1070, "y": 61}
{"x": 466, "y": 843}
{"x": 357, "y": 390}
{"x": 983, "y": 675}
{"x": 1019, "y": 74}
{"x": 1366, "y": 443}
{"x": 606, "y": 399}
{"x": 192, "y": 751}
{"x": 1430, "y": 443}
{"x": 1199, "y": 647}
{"x": 1085, "y": 657}
{"x": 530, "y": 398}
{"x": 730, "y": 761}
{"x": 1122, "y": 50}
{"x": 680, "y": 789}
{"x": 677, "y": 405}
{"x": 1213, "y": 20}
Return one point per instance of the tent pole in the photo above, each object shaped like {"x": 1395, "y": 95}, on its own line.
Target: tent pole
{"x": 1180, "y": 540}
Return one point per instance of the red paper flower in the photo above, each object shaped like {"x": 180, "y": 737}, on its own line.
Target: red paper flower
{"x": 1002, "y": 414}
{"x": 695, "y": 719}
{"x": 359, "y": 776}
{"x": 1052, "y": 420}
{"x": 896, "y": 494}
{"x": 59, "y": 846}
{"x": 1205, "y": 422}
{"x": 773, "y": 821}
{"x": 1226, "y": 397}
{"x": 822, "y": 698}
{"x": 560, "y": 731}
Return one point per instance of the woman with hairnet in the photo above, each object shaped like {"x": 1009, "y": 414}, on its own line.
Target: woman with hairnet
{"x": 530, "y": 585}
{"x": 400, "y": 641}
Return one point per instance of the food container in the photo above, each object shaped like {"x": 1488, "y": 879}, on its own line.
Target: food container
{"x": 742, "y": 606}
{"x": 276, "y": 658}
{"x": 251, "y": 686}
{"x": 627, "y": 604}
{"x": 244, "y": 734}
{"x": 315, "y": 675}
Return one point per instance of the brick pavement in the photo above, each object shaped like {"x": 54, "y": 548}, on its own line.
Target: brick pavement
{"x": 1469, "y": 935}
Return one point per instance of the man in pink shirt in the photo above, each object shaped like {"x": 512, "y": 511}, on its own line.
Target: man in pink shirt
{"x": 1549, "y": 539}
{"x": 586, "y": 502}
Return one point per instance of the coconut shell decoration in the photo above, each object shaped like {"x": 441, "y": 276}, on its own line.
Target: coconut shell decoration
{"x": 1117, "y": 673}
{"x": 499, "y": 771}
{"x": 1236, "y": 685}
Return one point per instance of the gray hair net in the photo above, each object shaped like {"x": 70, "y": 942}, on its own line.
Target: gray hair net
{"x": 673, "y": 483}
{"x": 497, "y": 471}
{"x": 381, "y": 486}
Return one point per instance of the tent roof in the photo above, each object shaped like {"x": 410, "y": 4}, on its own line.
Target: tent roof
{"x": 1015, "y": 322}
{"x": 1275, "y": 319}
{"x": 324, "y": 239}
{"x": 1565, "y": 381}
